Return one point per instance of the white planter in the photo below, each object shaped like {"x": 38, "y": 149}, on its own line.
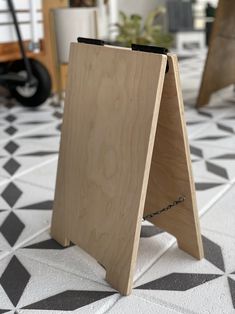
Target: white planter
{"x": 113, "y": 18}
{"x": 71, "y": 23}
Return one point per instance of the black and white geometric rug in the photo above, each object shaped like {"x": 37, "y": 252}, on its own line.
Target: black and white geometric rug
{"x": 37, "y": 275}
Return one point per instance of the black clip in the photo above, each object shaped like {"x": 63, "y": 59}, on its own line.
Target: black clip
{"x": 151, "y": 49}
{"x": 90, "y": 41}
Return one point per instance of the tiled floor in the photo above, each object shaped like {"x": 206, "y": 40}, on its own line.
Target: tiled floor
{"x": 38, "y": 276}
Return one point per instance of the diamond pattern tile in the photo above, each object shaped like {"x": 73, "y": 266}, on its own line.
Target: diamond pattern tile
{"x": 11, "y": 166}
{"x": 12, "y": 228}
{"x": 69, "y": 300}
{"x": 213, "y": 253}
{"x": 11, "y": 147}
{"x": 14, "y": 280}
{"x": 232, "y": 289}
{"x": 11, "y": 194}
{"x": 10, "y": 118}
{"x": 178, "y": 282}
{"x": 10, "y": 130}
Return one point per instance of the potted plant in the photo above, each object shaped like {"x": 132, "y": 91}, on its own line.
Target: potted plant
{"x": 83, "y": 18}
{"x": 132, "y": 29}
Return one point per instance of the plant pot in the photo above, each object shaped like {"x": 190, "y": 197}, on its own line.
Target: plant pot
{"x": 71, "y": 23}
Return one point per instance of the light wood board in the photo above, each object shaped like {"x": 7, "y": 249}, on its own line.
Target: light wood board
{"x": 111, "y": 114}
{"x": 111, "y": 111}
{"x": 171, "y": 173}
{"x": 219, "y": 71}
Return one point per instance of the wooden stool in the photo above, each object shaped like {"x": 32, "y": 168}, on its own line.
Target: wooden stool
{"x": 124, "y": 154}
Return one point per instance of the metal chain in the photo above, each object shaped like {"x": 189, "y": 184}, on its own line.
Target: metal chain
{"x": 180, "y": 199}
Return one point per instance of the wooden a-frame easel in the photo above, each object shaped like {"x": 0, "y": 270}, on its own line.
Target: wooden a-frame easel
{"x": 219, "y": 70}
{"x": 124, "y": 153}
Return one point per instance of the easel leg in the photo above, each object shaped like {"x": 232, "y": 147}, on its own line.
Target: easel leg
{"x": 58, "y": 229}
{"x": 59, "y": 226}
{"x": 123, "y": 283}
{"x": 219, "y": 69}
{"x": 170, "y": 174}
{"x": 60, "y": 207}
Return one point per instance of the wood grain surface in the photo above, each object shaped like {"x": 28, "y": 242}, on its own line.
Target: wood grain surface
{"x": 219, "y": 71}
{"x": 116, "y": 148}
{"x": 171, "y": 173}
{"x": 111, "y": 110}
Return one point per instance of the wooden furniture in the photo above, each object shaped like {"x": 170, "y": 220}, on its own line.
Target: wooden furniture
{"x": 219, "y": 70}
{"x": 50, "y": 54}
{"x": 63, "y": 78}
{"x": 10, "y": 51}
{"x": 124, "y": 153}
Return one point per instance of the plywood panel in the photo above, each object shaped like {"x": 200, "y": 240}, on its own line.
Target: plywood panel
{"x": 116, "y": 148}
{"x": 219, "y": 70}
{"x": 111, "y": 109}
{"x": 171, "y": 173}
{"x": 63, "y": 75}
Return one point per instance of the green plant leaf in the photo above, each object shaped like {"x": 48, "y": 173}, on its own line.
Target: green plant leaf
{"x": 130, "y": 29}
{"x": 153, "y": 15}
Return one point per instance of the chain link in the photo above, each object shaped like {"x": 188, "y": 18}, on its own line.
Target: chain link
{"x": 180, "y": 199}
